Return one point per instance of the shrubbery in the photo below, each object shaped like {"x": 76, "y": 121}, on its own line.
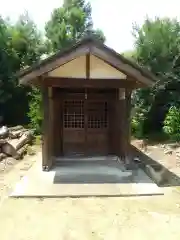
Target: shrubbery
{"x": 35, "y": 110}
{"x": 136, "y": 128}
{"x": 172, "y": 123}
{"x": 137, "y": 122}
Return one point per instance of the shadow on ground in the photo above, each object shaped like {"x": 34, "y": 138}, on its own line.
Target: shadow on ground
{"x": 170, "y": 179}
{"x": 95, "y": 171}
{"x": 85, "y": 178}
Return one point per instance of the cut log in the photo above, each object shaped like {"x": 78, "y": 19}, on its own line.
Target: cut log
{"x": 12, "y": 146}
{"x": 2, "y": 156}
{"x": 16, "y": 134}
{"x": 4, "y": 132}
{"x": 2, "y": 141}
{"x": 21, "y": 152}
{"x": 18, "y": 143}
{"x": 16, "y": 128}
{"x": 25, "y": 138}
{"x": 9, "y": 150}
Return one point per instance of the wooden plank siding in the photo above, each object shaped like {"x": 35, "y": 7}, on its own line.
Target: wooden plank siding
{"x": 87, "y": 83}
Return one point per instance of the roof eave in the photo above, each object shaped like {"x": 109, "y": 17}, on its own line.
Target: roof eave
{"x": 88, "y": 45}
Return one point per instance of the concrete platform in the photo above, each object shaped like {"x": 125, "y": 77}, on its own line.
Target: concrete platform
{"x": 85, "y": 179}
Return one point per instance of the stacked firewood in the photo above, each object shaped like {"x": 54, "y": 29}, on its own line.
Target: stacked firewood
{"x": 14, "y": 141}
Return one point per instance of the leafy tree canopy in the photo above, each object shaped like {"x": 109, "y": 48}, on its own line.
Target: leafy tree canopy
{"x": 20, "y": 45}
{"x": 70, "y": 23}
{"x": 157, "y": 45}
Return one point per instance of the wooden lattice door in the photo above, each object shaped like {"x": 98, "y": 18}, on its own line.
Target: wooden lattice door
{"x": 85, "y": 125}
{"x": 73, "y": 127}
{"x": 97, "y": 127}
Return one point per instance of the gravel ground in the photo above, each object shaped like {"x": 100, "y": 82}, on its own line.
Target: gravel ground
{"x": 155, "y": 217}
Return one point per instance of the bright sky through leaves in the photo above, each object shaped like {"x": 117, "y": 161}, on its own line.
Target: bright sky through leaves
{"x": 114, "y": 17}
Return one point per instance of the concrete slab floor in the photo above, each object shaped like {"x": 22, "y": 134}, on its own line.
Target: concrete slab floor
{"x": 88, "y": 178}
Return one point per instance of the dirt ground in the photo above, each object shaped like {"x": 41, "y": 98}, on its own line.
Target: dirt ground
{"x": 166, "y": 154}
{"x": 155, "y": 217}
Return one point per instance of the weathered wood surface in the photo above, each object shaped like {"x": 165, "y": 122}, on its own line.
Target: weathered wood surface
{"x": 21, "y": 152}
{"x": 2, "y": 141}
{"x": 15, "y": 144}
{"x": 25, "y": 138}
{"x": 88, "y": 83}
{"x": 12, "y": 146}
{"x": 16, "y": 134}
{"x": 2, "y": 156}
{"x": 16, "y": 128}
{"x": 9, "y": 150}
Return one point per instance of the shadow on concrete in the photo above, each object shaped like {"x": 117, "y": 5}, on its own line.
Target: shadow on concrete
{"x": 170, "y": 179}
{"x": 88, "y": 178}
{"x": 95, "y": 171}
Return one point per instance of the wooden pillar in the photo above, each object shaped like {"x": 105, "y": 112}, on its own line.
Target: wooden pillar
{"x": 128, "y": 112}
{"x": 117, "y": 125}
{"x": 124, "y": 123}
{"x": 58, "y": 123}
{"x": 47, "y": 143}
{"x": 113, "y": 136}
{"x": 128, "y": 158}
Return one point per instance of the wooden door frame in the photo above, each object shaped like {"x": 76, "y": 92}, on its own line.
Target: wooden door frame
{"x": 85, "y": 120}
{"x": 120, "y": 131}
{"x": 98, "y": 97}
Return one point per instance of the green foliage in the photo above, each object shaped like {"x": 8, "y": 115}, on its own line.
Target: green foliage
{"x": 35, "y": 110}
{"x": 172, "y": 123}
{"x": 136, "y": 129}
{"x": 70, "y": 23}
{"x": 6, "y": 62}
{"x": 20, "y": 46}
{"x": 157, "y": 46}
{"x": 137, "y": 123}
{"x": 131, "y": 55}
{"x": 26, "y": 39}
{"x": 31, "y": 151}
{"x": 38, "y": 140}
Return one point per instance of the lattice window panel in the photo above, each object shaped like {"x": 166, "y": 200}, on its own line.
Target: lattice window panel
{"x": 74, "y": 114}
{"x": 97, "y": 115}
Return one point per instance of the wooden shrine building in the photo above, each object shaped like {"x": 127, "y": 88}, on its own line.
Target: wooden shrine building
{"x": 86, "y": 100}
